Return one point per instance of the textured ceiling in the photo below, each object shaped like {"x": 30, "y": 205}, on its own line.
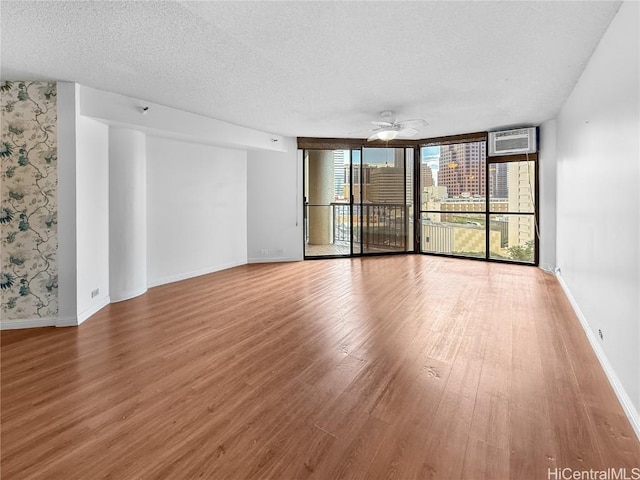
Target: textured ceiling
{"x": 316, "y": 68}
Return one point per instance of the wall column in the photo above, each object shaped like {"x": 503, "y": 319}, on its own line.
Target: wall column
{"x": 127, "y": 213}
{"x": 321, "y": 192}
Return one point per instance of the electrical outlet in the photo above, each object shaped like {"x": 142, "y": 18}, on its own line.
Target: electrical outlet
{"x": 94, "y": 293}
{"x": 264, "y": 252}
{"x": 600, "y": 333}
{"x": 280, "y": 251}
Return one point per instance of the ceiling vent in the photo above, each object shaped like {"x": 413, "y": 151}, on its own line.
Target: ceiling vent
{"x": 512, "y": 142}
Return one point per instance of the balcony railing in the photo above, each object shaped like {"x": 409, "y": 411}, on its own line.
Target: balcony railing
{"x": 374, "y": 225}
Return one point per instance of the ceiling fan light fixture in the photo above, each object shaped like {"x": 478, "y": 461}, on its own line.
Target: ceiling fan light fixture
{"x": 388, "y": 127}
{"x": 386, "y": 135}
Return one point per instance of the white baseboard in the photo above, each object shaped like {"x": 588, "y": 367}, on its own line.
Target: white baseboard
{"x": 127, "y": 295}
{"x": 196, "y": 273}
{"x": 67, "y": 322}
{"x": 75, "y": 321}
{"x": 273, "y": 259}
{"x": 93, "y": 309}
{"x": 621, "y": 393}
{"x": 548, "y": 268}
{"x": 28, "y": 323}
{"x": 54, "y": 321}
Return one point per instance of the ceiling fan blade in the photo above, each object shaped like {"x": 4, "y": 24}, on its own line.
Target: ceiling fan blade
{"x": 363, "y": 131}
{"x": 407, "y": 132}
{"x": 383, "y": 124}
{"x": 414, "y": 123}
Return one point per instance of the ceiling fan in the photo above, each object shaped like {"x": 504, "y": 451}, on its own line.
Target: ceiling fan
{"x": 388, "y": 127}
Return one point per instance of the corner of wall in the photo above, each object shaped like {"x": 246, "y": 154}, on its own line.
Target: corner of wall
{"x": 548, "y": 195}
{"x": 67, "y": 282}
{"x": 91, "y": 311}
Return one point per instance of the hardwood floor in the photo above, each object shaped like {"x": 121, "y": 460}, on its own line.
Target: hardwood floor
{"x": 389, "y": 367}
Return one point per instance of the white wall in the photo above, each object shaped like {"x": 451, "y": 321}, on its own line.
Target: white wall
{"x": 92, "y": 215}
{"x": 196, "y": 209}
{"x": 548, "y": 184}
{"x": 67, "y": 282}
{"x": 196, "y": 219}
{"x": 127, "y": 213}
{"x": 598, "y": 202}
{"x": 274, "y": 205}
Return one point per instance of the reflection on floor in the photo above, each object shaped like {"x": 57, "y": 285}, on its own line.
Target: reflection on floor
{"x": 322, "y": 250}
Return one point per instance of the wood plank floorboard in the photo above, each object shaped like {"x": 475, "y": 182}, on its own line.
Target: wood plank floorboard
{"x": 402, "y": 367}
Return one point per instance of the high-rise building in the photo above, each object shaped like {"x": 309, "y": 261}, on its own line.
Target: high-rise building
{"x": 339, "y": 173}
{"x": 462, "y": 168}
{"x": 498, "y": 182}
{"x": 361, "y": 181}
{"x": 387, "y": 185}
{"x": 426, "y": 176}
{"x": 521, "y": 199}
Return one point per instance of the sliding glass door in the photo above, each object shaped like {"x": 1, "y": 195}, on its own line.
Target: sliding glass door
{"x": 358, "y": 202}
{"x": 385, "y": 203}
{"x": 327, "y": 206}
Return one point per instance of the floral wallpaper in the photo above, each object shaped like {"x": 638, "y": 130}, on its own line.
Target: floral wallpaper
{"x": 28, "y": 207}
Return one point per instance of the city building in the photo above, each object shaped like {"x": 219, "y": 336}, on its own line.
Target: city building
{"x": 426, "y": 175}
{"x": 521, "y": 199}
{"x": 339, "y": 173}
{"x": 462, "y": 168}
{"x": 498, "y": 180}
{"x": 387, "y": 185}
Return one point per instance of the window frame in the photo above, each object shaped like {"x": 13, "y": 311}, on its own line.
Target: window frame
{"x": 313, "y": 143}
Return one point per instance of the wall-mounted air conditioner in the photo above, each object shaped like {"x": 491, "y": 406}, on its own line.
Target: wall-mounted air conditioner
{"x": 512, "y": 142}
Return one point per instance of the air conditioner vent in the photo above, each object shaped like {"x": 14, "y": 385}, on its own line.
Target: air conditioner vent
{"x": 512, "y": 142}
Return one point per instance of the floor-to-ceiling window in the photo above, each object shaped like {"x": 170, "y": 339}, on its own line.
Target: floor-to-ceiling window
{"x": 444, "y": 197}
{"x": 453, "y": 199}
{"x": 512, "y": 210}
{"x": 358, "y": 201}
{"x": 474, "y": 205}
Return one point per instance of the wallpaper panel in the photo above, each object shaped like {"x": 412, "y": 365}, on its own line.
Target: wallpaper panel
{"x": 28, "y": 207}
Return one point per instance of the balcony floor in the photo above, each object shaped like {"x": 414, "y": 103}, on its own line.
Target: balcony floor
{"x": 333, "y": 249}
{"x": 326, "y": 250}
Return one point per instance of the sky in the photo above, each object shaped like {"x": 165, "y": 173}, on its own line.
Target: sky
{"x": 431, "y": 156}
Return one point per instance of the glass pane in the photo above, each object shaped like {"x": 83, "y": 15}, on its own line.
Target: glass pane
{"x": 355, "y": 180}
{"x": 511, "y": 187}
{"x": 384, "y": 209}
{"x": 431, "y": 194}
{"x": 409, "y": 198}
{"x": 461, "y": 172}
{"x": 384, "y": 176}
{"x": 512, "y": 237}
{"x": 454, "y": 234}
{"x": 327, "y": 210}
